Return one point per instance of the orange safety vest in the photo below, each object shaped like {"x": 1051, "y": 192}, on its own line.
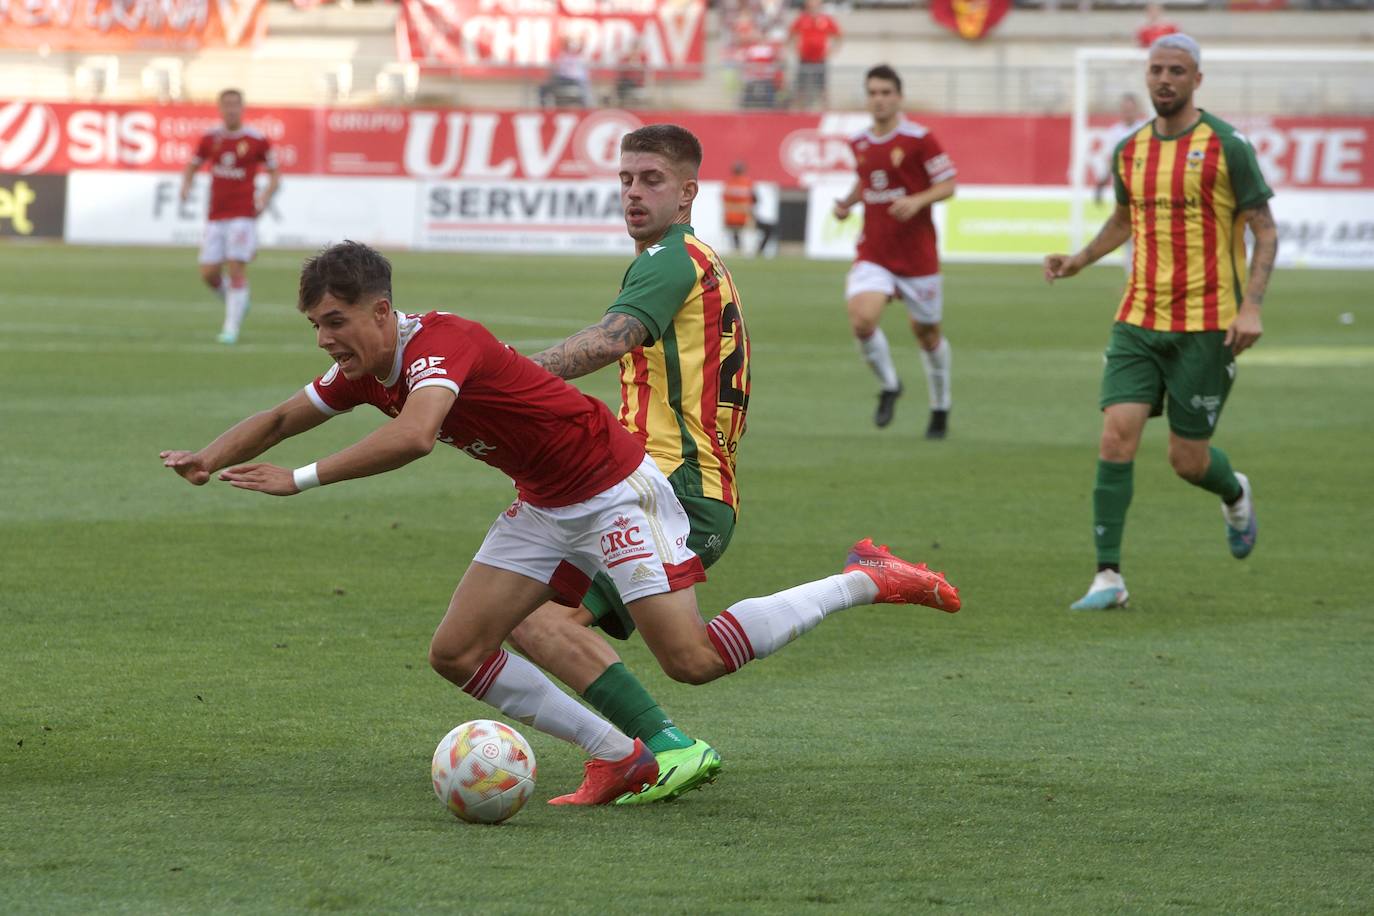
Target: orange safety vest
{"x": 739, "y": 200}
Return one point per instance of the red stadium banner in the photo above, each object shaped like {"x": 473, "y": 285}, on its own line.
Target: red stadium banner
{"x": 496, "y": 38}
{"x": 969, "y": 19}
{"x": 131, "y": 25}
{"x": 791, "y": 149}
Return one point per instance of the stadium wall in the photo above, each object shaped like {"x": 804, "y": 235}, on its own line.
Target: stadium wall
{"x": 544, "y": 181}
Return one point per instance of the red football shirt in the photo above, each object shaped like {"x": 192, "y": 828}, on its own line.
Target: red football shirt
{"x": 234, "y": 158}
{"x": 559, "y": 445}
{"x": 905, "y": 161}
{"x": 813, "y": 36}
{"x": 1148, "y": 34}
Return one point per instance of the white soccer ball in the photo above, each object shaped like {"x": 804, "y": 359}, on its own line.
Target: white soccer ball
{"x": 483, "y": 771}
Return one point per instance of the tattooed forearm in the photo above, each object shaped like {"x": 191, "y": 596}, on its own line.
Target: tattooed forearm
{"x": 1115, "y": 231}
{"x": 1266, "y": 250}
{"x": 591, "y": 348}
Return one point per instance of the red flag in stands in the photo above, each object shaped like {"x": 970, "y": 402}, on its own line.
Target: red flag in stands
{"x": 970, "y": 19}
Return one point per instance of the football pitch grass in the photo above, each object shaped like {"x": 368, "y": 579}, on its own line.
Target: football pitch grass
{"x": 216, "y": 701}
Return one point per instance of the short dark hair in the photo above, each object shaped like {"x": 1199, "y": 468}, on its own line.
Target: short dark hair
{"x": 234, "y": 92}
{"x": 676, "y": 144}
{"x": 884, "y": 72}
{"x": 348, "y": 271}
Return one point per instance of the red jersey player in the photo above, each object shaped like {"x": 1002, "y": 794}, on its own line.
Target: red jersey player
{"x": 235, "y": 153}
{"x": 589, "y": 501}
{"x": 902, "y": 172}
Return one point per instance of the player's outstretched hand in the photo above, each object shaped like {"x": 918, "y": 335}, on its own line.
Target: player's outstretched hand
{"x": 1245, "y": 330}
{"x": 265, "y": 478}
{"x": 841, "y": 209}
{"x": 187, "y": 465}
{"x": 1059, "y": 266}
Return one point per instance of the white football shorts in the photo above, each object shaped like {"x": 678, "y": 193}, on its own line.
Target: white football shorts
{"x": 635, "y": 532}
{"x": 924, "y": 296}
{"x": 229, "y": 240}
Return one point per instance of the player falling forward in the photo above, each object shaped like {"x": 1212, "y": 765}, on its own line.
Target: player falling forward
{"x": 235, "y": 153}
{"x": 902, "y": 172}
{"x": 590, "y": 501}
{"x": 679, "y": 335}
{"x": 1187, "y": 185}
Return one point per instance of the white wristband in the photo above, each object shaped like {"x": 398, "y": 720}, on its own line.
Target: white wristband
{"x": 306, "y": 477}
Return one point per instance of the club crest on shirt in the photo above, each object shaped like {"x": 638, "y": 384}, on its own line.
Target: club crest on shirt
{"x": 898, "y": 154}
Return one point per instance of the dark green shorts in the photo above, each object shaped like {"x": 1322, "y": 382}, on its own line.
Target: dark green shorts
{"x": 1194, "y": 370}
{"x": 713, "y": 523}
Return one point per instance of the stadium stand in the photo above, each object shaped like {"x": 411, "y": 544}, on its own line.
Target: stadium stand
{"x": 346, "y": 54}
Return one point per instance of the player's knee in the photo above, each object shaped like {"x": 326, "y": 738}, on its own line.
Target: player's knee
{"x": 1117, "y": 445}
{"x": 455, "y": 663}
{"x": 1189, "y": 464}
{"x": 700, "y": 665}
{"x": 210, "y": 276}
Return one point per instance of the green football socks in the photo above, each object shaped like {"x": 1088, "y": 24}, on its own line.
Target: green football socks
{"x": 619, "y": 696}
{"x": 1111, "y": 499}
{"x": 1220, "y": 479}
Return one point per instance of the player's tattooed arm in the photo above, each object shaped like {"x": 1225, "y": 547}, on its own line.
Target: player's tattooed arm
{"x": 1246, "y": 328}
{"x": 1114, "y": 233}
{"x": 591, "y": 348}
{"x": 1266, "y": 233}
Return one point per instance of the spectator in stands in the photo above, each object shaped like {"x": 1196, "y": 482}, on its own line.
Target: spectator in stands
{"x": 1155, "y": 27}
{"x": 570, "y": 82}
{"x": 632, "y": 75}
{"x": 761, "y": 60}
{"x": 812, "y": 32}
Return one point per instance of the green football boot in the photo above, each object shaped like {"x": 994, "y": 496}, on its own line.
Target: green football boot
{"x": 680, "y": 770}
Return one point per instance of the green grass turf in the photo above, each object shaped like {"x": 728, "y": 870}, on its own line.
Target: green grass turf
{"x": 212, "y": 700}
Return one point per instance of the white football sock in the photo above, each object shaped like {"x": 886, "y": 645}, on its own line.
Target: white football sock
{"x": 235, "y": 307}
{"x": 521, "y": 691}
{"x": 758, "y": 627}
{"x": 879, "y": 358}
{"x": 937, "y": 365}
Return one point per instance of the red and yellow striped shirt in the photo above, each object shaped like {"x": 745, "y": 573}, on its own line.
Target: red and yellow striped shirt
{"x": 684, "y": 395}
{"x": 1187, "y": 196}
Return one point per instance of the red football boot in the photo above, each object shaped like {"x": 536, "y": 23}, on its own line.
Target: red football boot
{"x": 607, "y": 780}
{"x": 900, "y": 582}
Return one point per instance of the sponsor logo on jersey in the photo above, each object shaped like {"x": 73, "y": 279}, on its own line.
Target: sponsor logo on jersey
{"x": 514, "y": 509}
{"x": 477, "y": 448}
{"x": 423, "y": 368}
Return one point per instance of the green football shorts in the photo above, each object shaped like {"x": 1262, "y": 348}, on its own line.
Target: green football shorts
{"x": 1192, "y": 370}
{"x": 713, "y": 523}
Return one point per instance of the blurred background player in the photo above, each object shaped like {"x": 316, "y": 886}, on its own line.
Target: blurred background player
{"x": 677, "y": 319}
{"x": 235, "y": 152}
{"x": 1130, "y": 117}
{"x": 739, "y": 203}
{"x": 902, "y": 172}
{"x": 1187, "y": 185}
